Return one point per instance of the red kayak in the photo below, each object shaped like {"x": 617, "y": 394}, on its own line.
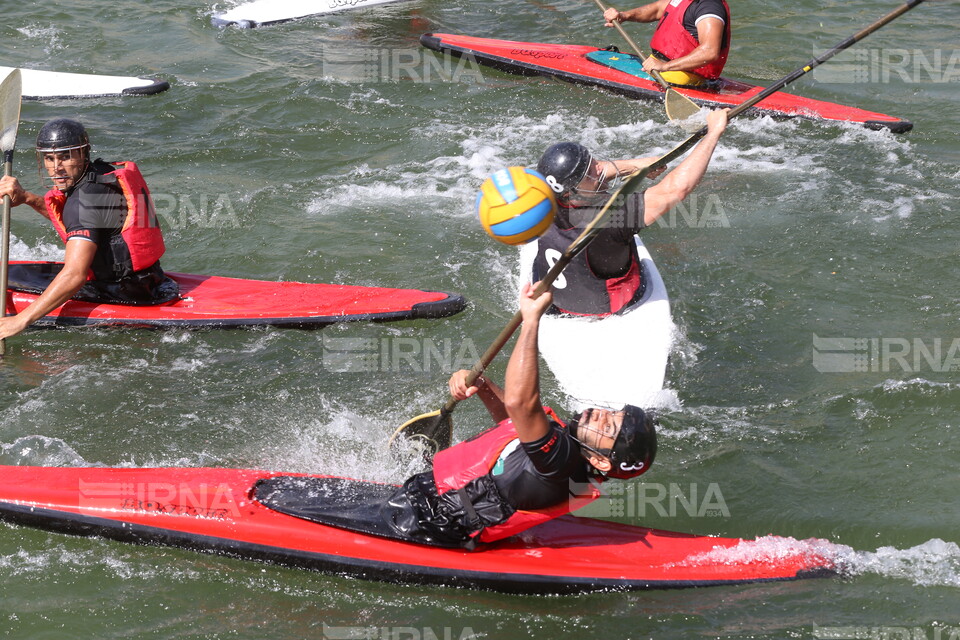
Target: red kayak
{"x": 219, "y": 511}
{"x": 620, "y": 73}
{"x": 217, "y": 302}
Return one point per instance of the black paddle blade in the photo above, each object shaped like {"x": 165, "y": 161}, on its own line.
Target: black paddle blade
{"x": 432, "y": 432}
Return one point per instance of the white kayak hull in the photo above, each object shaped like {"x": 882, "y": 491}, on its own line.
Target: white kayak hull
{"x": 264, "y": 12}
{"x": 615, "y": 360}
{"x": 46, "y": 85}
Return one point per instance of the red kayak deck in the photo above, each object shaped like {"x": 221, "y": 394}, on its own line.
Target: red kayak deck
{"x": 569, "y": 62}
{"x": 211, "y": 510}
{"x": 218, "y": 302}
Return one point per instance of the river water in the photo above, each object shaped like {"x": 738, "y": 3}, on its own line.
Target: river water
{"x": 814, "y": 384}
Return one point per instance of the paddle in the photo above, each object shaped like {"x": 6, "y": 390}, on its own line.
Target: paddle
{"x": 10, "y": 94}
{"x": 435, "y": 428}
{"x": 678, "y": 106}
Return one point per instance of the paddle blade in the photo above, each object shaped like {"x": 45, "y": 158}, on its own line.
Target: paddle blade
{"x": 10, "y": 90}
{"x": 679, "y": 106}
{"x": 432, "y": 432}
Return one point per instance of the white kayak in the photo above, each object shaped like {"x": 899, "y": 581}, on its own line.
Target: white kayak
{"x": 40, "y": 85}
{"x": 263, "y": 12}
{"x": 615, "y": 360}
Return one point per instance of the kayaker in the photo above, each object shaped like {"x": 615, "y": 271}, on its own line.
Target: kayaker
{"x": 529, "y": 468}
{"x": 605, "y": 277}
{"x": 104, "y": 215}
{"x": 691, "y": 42}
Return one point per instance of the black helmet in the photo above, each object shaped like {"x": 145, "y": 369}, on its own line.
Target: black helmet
{"x": 636, "y": 445}
{"x": 564, "y": 165}
{"x": 62, "y": 134}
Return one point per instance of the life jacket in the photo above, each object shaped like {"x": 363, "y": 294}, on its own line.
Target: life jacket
{"x": 140, "y": 231}
{"x": 673, "y": 41}
{"x": 454, "y": 468}
{"x": 578, "y": 290}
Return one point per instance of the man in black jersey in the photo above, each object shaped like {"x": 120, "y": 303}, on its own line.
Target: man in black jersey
{"x": 527, "y": 469}
{"x": 692, "y": 39}
{"x": 605, "y": 277}
{"x": 105, "y": 217}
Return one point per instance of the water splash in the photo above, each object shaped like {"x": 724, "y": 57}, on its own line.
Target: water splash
{"x": 933, "y": 563}
{"x": 40, "y": 451}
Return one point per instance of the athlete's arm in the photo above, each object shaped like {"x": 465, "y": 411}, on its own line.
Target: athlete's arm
{"x": 646, "y": 13}
{"x": 681, "y": 182}
{"x": 76, "y": 264}
{"x": 522, "y": 384}
{"x": 627, "y": 167}
{"x": 10, "y": 186}
{"x": 709, "y": 35}
{"x": 484, "y": 388}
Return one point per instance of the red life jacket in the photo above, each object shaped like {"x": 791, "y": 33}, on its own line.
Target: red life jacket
{"x": 673, "y": 41}
{"x": 579, "y": 291}
{"x": 457, "y": 466}
{"x": 140, "y": 231}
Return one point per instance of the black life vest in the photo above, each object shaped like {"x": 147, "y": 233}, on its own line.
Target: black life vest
{"x": 463, "y": 463}
{"x": 578, "y": 290}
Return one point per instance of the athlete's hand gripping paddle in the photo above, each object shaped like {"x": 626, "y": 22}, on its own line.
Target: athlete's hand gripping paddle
{"x": 435, "y": 428}
{"x": 678, "y": 106}
{"x": 10, "y": 95}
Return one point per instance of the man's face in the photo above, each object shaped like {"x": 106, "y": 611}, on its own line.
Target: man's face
{"x": 595, "y": 185}
{"x": 598, "y": 428}
{"x": 65, "y": 167}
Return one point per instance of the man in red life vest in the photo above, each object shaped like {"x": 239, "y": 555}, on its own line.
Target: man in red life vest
{"x": 526, "y": 470}
{"x": 104, "y": 214}
{"x": 692, "y": 39}
{"x": 605, "y": 277}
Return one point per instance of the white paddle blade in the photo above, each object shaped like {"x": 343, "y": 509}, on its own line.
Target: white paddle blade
{"x": 10, "y": 94}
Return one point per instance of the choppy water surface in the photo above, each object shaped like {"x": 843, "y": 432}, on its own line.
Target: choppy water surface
{"x": 270, "y": 158}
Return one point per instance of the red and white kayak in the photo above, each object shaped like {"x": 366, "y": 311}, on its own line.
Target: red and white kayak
{"x": 215, "y": 511}
{"x": 578, "y": 64}
{"x": 218, "y": 302}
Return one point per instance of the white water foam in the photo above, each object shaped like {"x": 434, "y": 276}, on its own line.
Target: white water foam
{"x": 455, "y": 179}
{"x": 20, "y": 250}
{"x": 50, "y": 35}
{"x": 40, "y": 451}
{"x": 765, "y": 550}
{"x": 933, "y": 563}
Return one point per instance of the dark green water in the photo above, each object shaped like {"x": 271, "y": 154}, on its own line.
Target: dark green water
{"x": 269, "y": 160}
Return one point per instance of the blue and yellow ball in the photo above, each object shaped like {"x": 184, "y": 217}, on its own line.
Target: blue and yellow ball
{"x": 516, "y": 205}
